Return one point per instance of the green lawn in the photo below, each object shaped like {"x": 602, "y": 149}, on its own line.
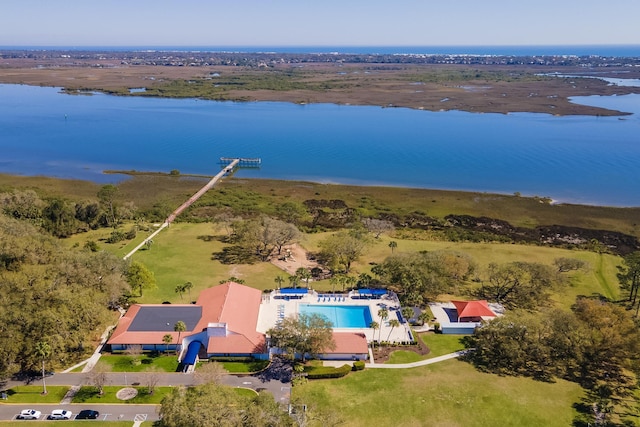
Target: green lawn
{"x": 246, "y": 392}
{"x": 33, "y": 394}
{"x": 182, "y": 253}
{"x": 245, "y": 367}
{"x": 438, "y": 344}
{"x": 123, "y": 363}
{"x": 450, "y": 393}
{"x": 89, "y": 394}
{"x": 599, "y": 279}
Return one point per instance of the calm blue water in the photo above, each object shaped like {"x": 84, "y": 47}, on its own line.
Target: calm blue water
{"x": 594, "y": 160}
{"x": 357, "y": 316}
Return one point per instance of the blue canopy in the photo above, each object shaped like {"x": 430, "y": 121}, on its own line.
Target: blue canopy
{"x": 294, "y": 291}
{"x": 192, "y": 353}
{"x": 365, "y": 291}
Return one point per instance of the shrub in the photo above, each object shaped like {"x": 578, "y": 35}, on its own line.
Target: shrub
{"x": 322, "y": 372}
{"x": 115, "y": 237}
{"x": 358, "y": 365}
{"x": 131, "y": 234}
{"x": 92, "y": 246}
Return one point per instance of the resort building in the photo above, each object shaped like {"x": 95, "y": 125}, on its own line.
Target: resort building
{"x": 232, "y": 320}
{"x": 222, "y": 322}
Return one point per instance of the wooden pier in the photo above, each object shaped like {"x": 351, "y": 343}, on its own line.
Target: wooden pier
{"x": 230, "y": 164}
{"x": 243, "y": 162}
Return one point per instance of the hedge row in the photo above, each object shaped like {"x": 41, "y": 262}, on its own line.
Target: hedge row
{"x": 320, "y": 372}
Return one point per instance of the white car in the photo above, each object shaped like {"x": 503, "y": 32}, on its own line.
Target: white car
{"x": 29, "y": 414}
{"x": 60, "y": 414}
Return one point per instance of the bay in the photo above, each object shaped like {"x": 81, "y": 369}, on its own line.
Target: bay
{"x": 577, "y": 159}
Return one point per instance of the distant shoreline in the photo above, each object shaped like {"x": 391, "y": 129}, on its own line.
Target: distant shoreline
{"x": 481, "y": 83}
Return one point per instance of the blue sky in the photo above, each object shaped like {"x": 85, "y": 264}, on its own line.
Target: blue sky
{"x": 318, "y": 22}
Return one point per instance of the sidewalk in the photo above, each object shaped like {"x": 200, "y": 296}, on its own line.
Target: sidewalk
{"x": 418, "y": 363}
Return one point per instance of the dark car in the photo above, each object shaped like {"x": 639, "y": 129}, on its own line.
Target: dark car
{"x": 87, "y": 414}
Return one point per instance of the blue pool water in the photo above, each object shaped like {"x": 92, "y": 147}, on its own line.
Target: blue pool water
{"x": 341, "y": 316}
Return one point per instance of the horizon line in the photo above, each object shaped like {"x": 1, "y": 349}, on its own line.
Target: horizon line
{"x": 320, "y": 45}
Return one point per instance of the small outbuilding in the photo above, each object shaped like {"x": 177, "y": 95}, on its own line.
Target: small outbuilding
{"x": 461, "y": 317}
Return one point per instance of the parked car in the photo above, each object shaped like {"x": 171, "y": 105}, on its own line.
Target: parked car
{"x": 29, "y": 414}
{"x": 87, "y": 414}
{"x": 60, "y": 414}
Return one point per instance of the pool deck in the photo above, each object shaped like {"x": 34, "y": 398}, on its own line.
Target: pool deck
{"x": 275, "y": 306}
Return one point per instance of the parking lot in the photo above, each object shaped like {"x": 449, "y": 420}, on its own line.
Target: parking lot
{"x": 124, "y": 412}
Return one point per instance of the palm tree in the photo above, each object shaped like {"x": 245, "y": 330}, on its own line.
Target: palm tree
{"x": 279, "y": 280}
{"x": 294, "y": 281}
{"x": 349, "y": 281}
{"x": 424, "y": 317}
{"x": 393, "y": 244}
{"x": 364, "y": 280}
{"x": 394, "y": 323}
{"x": 304, "y": 274}
{"x": 43, "y": 349}
{"x": 407, "y": 313}
{"x": 187, "y": 286}
{"x": 179, "y": 327}
{"x": 374, "y": 325}
{"x": 167, "y": 338}
{"x": 383, "y": 313}
{"x": 180, "y": 290}
{"x": 335, "y": 279}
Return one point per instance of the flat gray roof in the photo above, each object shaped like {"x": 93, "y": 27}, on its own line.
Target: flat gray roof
{"x": 163, "y": 318}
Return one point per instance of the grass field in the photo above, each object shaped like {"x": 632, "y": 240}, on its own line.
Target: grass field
{"x": 450, "y": 393}
{"x": 33, "y": 394}
{"x": 599, "y": 279}
{"x": 123, "y": 363}
{"x": 245, "y": 367}
{"x": 89, "y": 394}
{"x": 182, "y": 253}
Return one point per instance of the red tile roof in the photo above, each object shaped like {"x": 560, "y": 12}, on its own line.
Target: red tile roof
{"x": 349, "y": 343}
{"x": 478, "y": 308}
{"x": 236, "y": 305}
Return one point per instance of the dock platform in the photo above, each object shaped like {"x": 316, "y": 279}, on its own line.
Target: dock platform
{"x": 251, "y": 162}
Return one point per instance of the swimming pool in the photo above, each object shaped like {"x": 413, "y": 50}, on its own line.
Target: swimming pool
{"x": 342, "y": 316}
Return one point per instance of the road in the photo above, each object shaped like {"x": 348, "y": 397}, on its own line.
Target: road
{"x": 276, "y": 380}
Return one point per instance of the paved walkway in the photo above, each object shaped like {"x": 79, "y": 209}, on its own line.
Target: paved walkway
{"x": 338, "y": 363}
{"x": 418, "y": 363}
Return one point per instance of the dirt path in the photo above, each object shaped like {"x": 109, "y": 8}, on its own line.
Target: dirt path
{"x": 298, "y": 258}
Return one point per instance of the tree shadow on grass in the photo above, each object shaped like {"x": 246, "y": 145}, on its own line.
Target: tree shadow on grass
{"x": 235, "y": 255}
{"x": 280, "y": 369}
{"x": 86, "y": 393}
